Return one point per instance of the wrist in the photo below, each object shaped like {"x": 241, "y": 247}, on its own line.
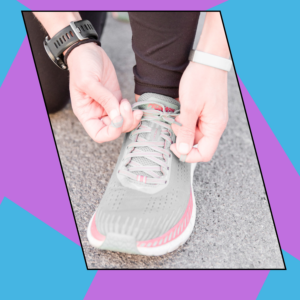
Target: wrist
{"x": 75, "y": 51}
{"x": 53, "y": 22}
{"x": 213, "y": 39}
{"x": 206, "y": 72}
{"x": 215, "y": 44}
{"x": 68, "y": 38}
{"x": 214, "y": 49}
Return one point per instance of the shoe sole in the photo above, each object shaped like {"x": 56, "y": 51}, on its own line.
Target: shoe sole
{"x": 128, "y": 244}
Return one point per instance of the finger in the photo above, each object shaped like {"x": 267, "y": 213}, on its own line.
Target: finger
{"x": 126, "y": 112}
{"x": 104, "y": 97}
{"x": 110, "y": 132}
{"x": 176, "y": 127}
{"x": 207, "y": 146}
{"x": 106, "y": 120}
{"x": 198, "y": 133}
{"x": 104, "y": 130}
{"x": 186, "y": 133}
{"x": 131, "y": 118}
{"x": 137, "y": 116}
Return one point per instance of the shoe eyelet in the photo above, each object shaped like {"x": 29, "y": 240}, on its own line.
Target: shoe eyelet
{"x": 168, "y": 168}
{"x": 165, "y": 182}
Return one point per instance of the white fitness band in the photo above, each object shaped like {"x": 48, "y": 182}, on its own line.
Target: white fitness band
{"x": 210, "y": 60}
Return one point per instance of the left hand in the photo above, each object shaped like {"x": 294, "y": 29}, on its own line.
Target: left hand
{"x": 204, "y": 112}
{"x": 96, "y": 96}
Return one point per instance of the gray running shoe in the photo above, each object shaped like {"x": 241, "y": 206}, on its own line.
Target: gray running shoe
{"x": 148, "y": 207}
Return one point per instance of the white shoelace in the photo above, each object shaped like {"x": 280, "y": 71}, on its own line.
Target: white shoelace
{"x": 160, "y": 153}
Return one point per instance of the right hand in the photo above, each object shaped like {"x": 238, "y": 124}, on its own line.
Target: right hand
{"x": 96, "y": 95}
{"x": 203, "y": 112}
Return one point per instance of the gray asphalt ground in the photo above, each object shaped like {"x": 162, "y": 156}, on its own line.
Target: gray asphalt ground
{"x": 234, "y": 227}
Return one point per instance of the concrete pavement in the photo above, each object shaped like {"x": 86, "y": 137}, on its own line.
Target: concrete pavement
{"x": 234, "y": 227}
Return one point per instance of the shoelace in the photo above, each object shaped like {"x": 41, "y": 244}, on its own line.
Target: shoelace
{"x": 160, "y": 154}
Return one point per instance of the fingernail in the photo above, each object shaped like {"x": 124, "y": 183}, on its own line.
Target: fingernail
{"x": 114, "y": 114}
{"x": 117, "y": 122}
{"x": 184, "y": 148}
{"x": 182, "y": 158}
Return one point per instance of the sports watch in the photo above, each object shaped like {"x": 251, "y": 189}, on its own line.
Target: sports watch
{"x": 76, "y": 31}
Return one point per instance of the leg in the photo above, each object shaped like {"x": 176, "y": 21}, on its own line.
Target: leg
{"x": 152, "y": 211}
{"x": 161, "y": 42}
{"x": 54, "y": 82}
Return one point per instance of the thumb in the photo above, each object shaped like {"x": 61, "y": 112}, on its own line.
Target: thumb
{"x": 186, "y": 132}
{"x": 104, "y": 97}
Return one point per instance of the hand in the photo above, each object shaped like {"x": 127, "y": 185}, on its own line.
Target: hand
{"x": 96, "y": 95}
{"x": 204, "y": 112}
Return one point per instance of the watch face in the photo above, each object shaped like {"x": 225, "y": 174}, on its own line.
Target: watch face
{"x": 49, "y": 52}
{"x": 58, "y": 62}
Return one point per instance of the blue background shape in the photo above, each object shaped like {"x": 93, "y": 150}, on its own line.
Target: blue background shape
{"x": 283, "y": 284}
{"x": 265, "y": 54}
{"x": 37, "y": 262}
{"x": 13, "y": 36}
{"x": 266, "y": 51}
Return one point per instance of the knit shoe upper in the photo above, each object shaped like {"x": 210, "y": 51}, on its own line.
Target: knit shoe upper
{"x": 149, "y": 190}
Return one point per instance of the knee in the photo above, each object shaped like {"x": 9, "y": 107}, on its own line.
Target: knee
{"x": 55, "y": 102}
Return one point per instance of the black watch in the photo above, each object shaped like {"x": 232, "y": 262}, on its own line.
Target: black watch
{"x": 76, "y": 31}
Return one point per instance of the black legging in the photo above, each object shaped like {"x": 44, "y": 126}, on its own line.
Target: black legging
{"x": 161, "y": 42}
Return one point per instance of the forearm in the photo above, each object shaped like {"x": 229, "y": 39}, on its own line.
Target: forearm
{"x": 213, "y": 39}
{"x": 53, "y": 22}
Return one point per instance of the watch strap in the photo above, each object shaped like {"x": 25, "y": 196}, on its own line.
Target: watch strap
{"x": 210, "y": 60}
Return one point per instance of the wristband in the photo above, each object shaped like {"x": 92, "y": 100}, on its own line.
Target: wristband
{"x": 210, "y": 60}
{"x": 76, "y": 45}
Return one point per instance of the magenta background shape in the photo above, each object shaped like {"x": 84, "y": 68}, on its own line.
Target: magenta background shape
{"x": 281, "y": 178}
{"x": 119, "y": 5}
{"x": 177, "y": 284}
{"x": 32, "y": 178}
{"x": 31, "y": 175}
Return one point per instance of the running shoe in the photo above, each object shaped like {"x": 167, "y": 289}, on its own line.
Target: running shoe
{"x": 149, "y": 206}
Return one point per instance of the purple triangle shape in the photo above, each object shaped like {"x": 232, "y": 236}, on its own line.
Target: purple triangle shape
{"x": 174, "y": 284}
{"x": 120, "y": 5}
{"x": 281, "y": 178}
{"x": 31, "y": 175}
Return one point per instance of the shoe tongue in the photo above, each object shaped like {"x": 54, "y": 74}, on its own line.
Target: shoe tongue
{"x": 169, "y": 103}
{"x": 154, "y": 135}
